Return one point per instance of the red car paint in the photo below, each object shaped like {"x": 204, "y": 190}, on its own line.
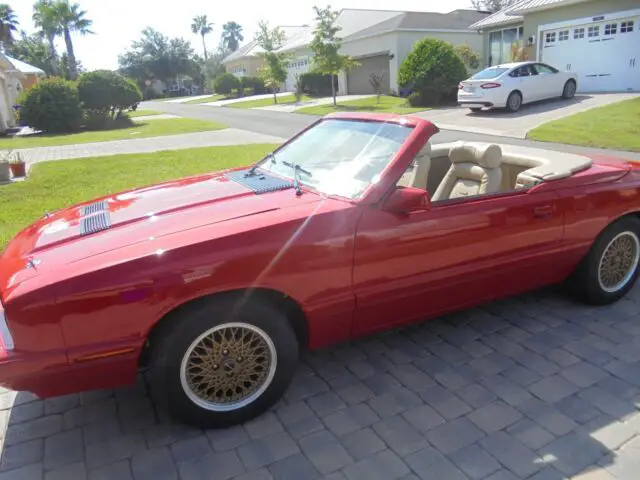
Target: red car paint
{"x": 80, "y": 314}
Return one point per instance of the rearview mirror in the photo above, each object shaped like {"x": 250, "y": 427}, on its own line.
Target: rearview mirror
{"x": 406, "y": 200}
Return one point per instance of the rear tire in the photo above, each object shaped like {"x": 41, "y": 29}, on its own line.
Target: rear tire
{"x": 514, "y": 101}
{"x": 610, "y": 269}
{"x": 220, "y": 364}
{"x": 475, "y": 109}
{"x": 569, "y": 90}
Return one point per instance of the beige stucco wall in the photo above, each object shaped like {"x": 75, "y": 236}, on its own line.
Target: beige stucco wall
{"x": 533, "y": 20}
{"x": 251, "y": 64}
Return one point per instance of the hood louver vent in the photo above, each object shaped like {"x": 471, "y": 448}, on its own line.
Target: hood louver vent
{"x": 94, "y": 208}
{"x": 259, "y": 182}
{"x": 95, "y": 223}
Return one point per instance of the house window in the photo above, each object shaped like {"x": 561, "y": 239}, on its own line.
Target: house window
{"x": 578, "y": 33}
{"x": 563, "y": 35}
{"x": 626, "y": 27}
{"x": 593, "y": 32}
{"x": 550, "y": 37}
{"x": 501, "y": 42}
{"x": 611, "y": 29}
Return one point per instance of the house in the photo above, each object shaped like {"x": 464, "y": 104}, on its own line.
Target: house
{"x": 597, "y": 39}
{"x": 379, "y": 40}
{"x": 22, "y": 77}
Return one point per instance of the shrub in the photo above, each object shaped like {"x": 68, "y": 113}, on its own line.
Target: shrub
{"x": 256, "y": 84}
{"x": 51, "y": 105}
{"x": 470, "y": 58}
{"x": 106, "y": 94}
{"x": 318, "y": 84}
{"x": 226, "y": 83}
{"x": 433, "y": 69}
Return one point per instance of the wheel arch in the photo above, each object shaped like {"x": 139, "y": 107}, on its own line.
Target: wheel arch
{"x": 285, "y": 303}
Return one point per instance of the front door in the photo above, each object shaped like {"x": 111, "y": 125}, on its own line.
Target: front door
{"x": 456, "y": 254}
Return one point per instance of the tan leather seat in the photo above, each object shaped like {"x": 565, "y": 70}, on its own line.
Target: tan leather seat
{"x": 475, "y": 170}
{"x": 422, "y": 164}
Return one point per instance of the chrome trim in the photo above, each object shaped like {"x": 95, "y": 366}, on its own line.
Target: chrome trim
{"x": 7, "y": 339}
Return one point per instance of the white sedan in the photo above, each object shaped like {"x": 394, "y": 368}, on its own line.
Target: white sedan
{"x": 512, "y": 84}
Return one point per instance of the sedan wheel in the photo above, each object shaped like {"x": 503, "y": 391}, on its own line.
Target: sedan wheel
{"x": 610, "y": 269}
{"x": 569, "y": 90}
{"x": 514, "y": 102}
{"x": 223, "y": 362}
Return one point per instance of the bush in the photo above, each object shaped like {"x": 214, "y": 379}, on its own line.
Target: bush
{"x": 432, "y": 69}
{"x": 51, "y": 105}
{"x": 256, "y": 84}
{"x": 317, "y": 84}
{"x": 226, "y": 83}
{"x": 106, "y": 94}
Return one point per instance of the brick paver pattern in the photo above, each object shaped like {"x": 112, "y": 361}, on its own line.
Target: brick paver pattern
{"x": 535, "y": 387}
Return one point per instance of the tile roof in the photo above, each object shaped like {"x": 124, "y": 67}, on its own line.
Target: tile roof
{"x": 513, "y": 13}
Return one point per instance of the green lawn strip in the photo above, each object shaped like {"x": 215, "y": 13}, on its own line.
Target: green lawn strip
{"x": 267, "y": 102}
{"x": 151, "y": 128}
{"x": 615, "y": 126}
{"x": 143, "y": 113}
{"x": 53, "y": 185}
{"x": 212, "y": 98}
{"x": 387, "y": 104}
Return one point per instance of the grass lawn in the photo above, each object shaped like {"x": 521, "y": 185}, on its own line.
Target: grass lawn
{"x": 152, "y": 128}
{"x": 615, "y": 126}
{"x": 212, "y": 98}
{"x": 266, "y": 102}
{"x": 143, "y": 113}
{"x": 53, "y": 185}
{"x": 387, "y": 104}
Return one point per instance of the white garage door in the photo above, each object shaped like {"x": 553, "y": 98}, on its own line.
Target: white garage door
{"x": 296, "y": 66}
{"x": 605, "y": 55}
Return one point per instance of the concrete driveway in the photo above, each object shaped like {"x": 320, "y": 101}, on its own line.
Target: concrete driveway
{"x": 517, "y": 125}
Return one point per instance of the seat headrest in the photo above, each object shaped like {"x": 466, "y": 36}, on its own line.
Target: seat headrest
{"x": 487, "y": 155}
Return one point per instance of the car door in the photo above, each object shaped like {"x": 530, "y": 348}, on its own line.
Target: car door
{"x": 524, "y": 79}
{"x": 549, "y": 80}
{"x": 453, "y": 255}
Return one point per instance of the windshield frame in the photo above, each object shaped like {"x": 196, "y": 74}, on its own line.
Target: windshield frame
{"x": 363, "y": 197}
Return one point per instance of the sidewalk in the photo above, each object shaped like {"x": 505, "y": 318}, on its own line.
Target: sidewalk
{"x": 229, "y": 136}
{"x": 292, "y": 107}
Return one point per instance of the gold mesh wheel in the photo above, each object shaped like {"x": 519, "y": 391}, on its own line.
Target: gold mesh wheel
{"x": 619, "y": 262}
{"x": 228, "y": 367}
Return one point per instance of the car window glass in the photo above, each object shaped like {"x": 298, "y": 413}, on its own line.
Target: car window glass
{"x": 543, "y": 69}
{"x": 488, "y": 73}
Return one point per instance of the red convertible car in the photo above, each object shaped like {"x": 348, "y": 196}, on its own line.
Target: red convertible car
{"x": 213, "y": 284}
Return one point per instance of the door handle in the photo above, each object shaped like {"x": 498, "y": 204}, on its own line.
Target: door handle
{"x": 543, "y": 211}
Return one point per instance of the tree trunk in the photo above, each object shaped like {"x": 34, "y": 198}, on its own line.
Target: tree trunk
{"x": 275, "y": 98}
{"x": 204, "y": 47}
{"x": 333, "y": 90}
{"x": 53, "y": 60}
{"x": 73, "y": 68}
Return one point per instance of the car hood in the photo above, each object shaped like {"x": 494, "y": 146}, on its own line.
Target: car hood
{"x": 109, "y": 223}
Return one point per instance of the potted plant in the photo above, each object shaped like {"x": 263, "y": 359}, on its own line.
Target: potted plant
{"x": 4, "y": 167}
{"x": 18, "y": 166}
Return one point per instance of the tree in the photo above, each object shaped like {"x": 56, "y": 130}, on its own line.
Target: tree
{"x": 231, "y": 36}
{"x": 71, "y": 19}
{"x": 33, "y": 50}
{"x": 44, "y": 17}
{"x": 65, "y": 66}
{"x": 491, "y": 5}
{"x": 156, "y": 56}
{"x": 8, "y": 24}
{"x": 326, "y": 46}
{"x": 203, "y": 27}
{"x": 274, "y": 72}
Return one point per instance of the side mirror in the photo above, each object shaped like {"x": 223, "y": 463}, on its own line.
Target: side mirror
{"x": 405, "y": 200}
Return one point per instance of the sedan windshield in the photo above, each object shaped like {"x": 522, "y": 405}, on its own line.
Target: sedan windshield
{"x": 488, "y": 73}
{"x": 339, "y": 157}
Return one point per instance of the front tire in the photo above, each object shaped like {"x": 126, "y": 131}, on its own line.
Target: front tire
{"x": 610, "y": 269}
{"x": 569, "y": 90}
{"x": 514, "y": 101}
{"x": 224, "y": 362}
{"x": 475, "y": 109}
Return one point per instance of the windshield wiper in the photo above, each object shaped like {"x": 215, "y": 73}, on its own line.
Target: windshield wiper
{"x": 252, "y": 170}
{"x": 296, "y": 175}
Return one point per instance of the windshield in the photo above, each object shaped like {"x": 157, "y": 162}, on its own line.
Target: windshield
{"x": 340, "y": 157}
{"x": 488, "y": 73}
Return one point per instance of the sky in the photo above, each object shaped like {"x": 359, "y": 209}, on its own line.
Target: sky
{"x": 117, "y": 23}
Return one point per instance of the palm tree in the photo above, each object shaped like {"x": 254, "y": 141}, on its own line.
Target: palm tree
{"x": 232, "y": 35}
{"x": 44, "y": 18}
{"x": 70, "y": 19}
{"x": 202, "y": 26}
{"x": 8, "y": 23}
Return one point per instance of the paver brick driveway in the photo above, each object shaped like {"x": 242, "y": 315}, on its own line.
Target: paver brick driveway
{"x": 532, "y": 387}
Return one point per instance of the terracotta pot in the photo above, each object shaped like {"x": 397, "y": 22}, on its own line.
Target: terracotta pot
{"x": 18, "y": 169}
